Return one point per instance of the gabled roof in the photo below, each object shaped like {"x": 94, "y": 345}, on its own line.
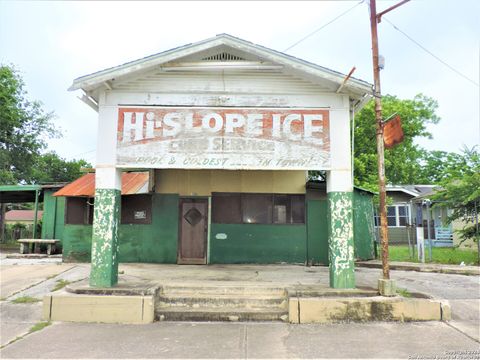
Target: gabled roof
{"x": 132, "y": 183}
{"x": 92, "y": 81}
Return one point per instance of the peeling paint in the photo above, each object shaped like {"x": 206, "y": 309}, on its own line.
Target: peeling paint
{"x": 340, "y": 240}
{"x": 104, "y": 271}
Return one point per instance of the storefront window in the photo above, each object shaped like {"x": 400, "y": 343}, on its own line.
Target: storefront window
{"x": 230, "y": 208}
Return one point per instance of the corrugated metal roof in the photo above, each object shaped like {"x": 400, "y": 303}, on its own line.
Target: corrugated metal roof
{"x": 22, "y": 215}
{"x": 132, "y": 183}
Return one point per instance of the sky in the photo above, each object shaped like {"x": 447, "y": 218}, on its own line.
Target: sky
{"x": 52, "y": 43}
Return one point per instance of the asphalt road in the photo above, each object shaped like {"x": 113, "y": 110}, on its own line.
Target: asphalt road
{"x": 457, "y": 339}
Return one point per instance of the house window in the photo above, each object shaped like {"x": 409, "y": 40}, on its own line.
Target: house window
{"x": 397, "y": 216}
{"x": 79, "y": 211}
{"x": 230, "y": 208}
{"x": 136, "y": 209}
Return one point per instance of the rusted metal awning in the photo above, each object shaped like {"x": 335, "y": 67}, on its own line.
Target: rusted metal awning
{"x": 132, "y": 183}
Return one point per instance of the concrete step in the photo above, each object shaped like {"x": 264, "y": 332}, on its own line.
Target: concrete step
{"x": 222, "y": 300}
{"x": 221, "y": 314}
{"x": 208, "y": 289}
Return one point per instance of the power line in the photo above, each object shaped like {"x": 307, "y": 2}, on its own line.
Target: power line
{"x": 323, "y": 26}
{"x": 430, "y": 53}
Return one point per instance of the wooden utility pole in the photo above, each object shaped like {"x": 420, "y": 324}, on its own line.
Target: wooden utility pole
{"x": 374, "y": 20}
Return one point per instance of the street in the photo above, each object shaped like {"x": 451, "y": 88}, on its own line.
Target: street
{"x": 459, "y": 337}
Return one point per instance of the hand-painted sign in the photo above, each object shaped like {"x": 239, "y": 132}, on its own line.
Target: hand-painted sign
{"x": 223, "y": 138}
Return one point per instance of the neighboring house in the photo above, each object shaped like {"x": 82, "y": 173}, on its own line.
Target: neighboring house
{"x": 411, "y": 207}
{"x": 25, "y": 217}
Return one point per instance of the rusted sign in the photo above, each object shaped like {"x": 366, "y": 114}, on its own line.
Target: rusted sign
{"x": 392, "y": 132}
{"x": 223, "y": 138}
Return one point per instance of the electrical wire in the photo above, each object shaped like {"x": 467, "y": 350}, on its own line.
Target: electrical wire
{"x": 429, "y": 52}
{"x": 323, "y": 26}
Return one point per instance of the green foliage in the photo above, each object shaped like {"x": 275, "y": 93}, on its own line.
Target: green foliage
{"x": 402, "y": 165}
{"x": 50, "y": 168}
{"x": 404, "y": 292}
{"x": 19, "y": 226}
{"x": 452, "y": 256}
{"x": 461, "y": 194}
{"x": 25, "y": 300}
{"x": 60, "y": 284}
{"x": 39, "y": 326}
{"x": 24, "y": 128}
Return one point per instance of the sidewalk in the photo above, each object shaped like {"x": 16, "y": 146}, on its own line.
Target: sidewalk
{"x": 410, "y": 266}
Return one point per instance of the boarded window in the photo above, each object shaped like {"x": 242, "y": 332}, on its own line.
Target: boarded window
{"x": 137, "y": 209}
{"x": 258, "y": 208}
{"x": 79, "y": 211}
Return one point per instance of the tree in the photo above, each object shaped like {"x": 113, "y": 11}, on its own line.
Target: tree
{"x": 50, "y": 168}
{"x": 403, "y": 162}
{"x": 461, "y": 194}
{"x": 438, "y": 166}
{"x": 24, "y": 129}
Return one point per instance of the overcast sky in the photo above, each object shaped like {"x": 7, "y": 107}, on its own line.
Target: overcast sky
{"x": 51, "y": 43}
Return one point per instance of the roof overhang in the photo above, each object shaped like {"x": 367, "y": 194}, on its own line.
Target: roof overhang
{"x": 357, "y": 89}
{"x": 19, "y": 193}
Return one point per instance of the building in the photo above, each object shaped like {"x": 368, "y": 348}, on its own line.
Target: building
{"x": 148, "y": 234}
{"x": 412, "y": 208}
{"x": 226, "y": 130}
{"x": 25, "y": 217}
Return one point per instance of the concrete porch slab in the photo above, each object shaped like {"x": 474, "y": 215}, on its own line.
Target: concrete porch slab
{"x": 143, "y": 289}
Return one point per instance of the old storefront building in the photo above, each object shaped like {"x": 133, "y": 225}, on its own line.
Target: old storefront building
{"x": 202, "y": 158}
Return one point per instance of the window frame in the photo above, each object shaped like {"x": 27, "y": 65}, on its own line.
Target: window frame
{"x": 149, "y": 216}
{"x": 88, "y": 210}
{"x": 397, "y": 215}
{"x": 243, "y": 195}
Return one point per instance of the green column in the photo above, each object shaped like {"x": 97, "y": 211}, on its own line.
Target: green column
{"x": 104, "y": 270}
{"x": 340, "y": 240}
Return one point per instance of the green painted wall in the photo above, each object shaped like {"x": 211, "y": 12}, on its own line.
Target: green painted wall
{"x": 259, "y": 244}
{"x": 363, "y": 226}
{"x": 317, "y": 232}
{"x": 156, "y": 243}
{"x": 53, "y": 216}
{"x": 77, "y": 243}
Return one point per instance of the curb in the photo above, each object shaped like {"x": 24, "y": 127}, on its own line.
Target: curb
{"x": 470, "y": 271}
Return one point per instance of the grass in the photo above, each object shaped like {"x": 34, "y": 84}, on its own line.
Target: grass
{"x": 61, "y": 284}
{"x": 39, "y": 326}
{"x": 404, "y": 292}
{"x": 25, "y": 300}
{"x": 451, "y": 256}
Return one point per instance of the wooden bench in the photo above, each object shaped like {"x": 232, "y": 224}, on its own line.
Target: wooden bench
{"x": 25, "y": 245}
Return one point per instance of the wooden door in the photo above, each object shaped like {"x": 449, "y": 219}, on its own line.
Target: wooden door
{"x": 193, "y": 224}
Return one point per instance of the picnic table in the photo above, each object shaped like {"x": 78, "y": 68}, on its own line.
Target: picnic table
{"x": 25, "y": 245}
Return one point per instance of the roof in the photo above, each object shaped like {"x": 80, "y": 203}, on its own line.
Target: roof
{"x": 22, "y": 215}
{"x": 413, "y": 190}
{"x": 92, "y": 81}
{"x": 322, "y": 185}
{"x": 132, "y": 183}
{"x": 19, "y": 193}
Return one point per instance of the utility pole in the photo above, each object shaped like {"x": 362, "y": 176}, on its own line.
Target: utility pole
{"x": 386, "y": 286}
